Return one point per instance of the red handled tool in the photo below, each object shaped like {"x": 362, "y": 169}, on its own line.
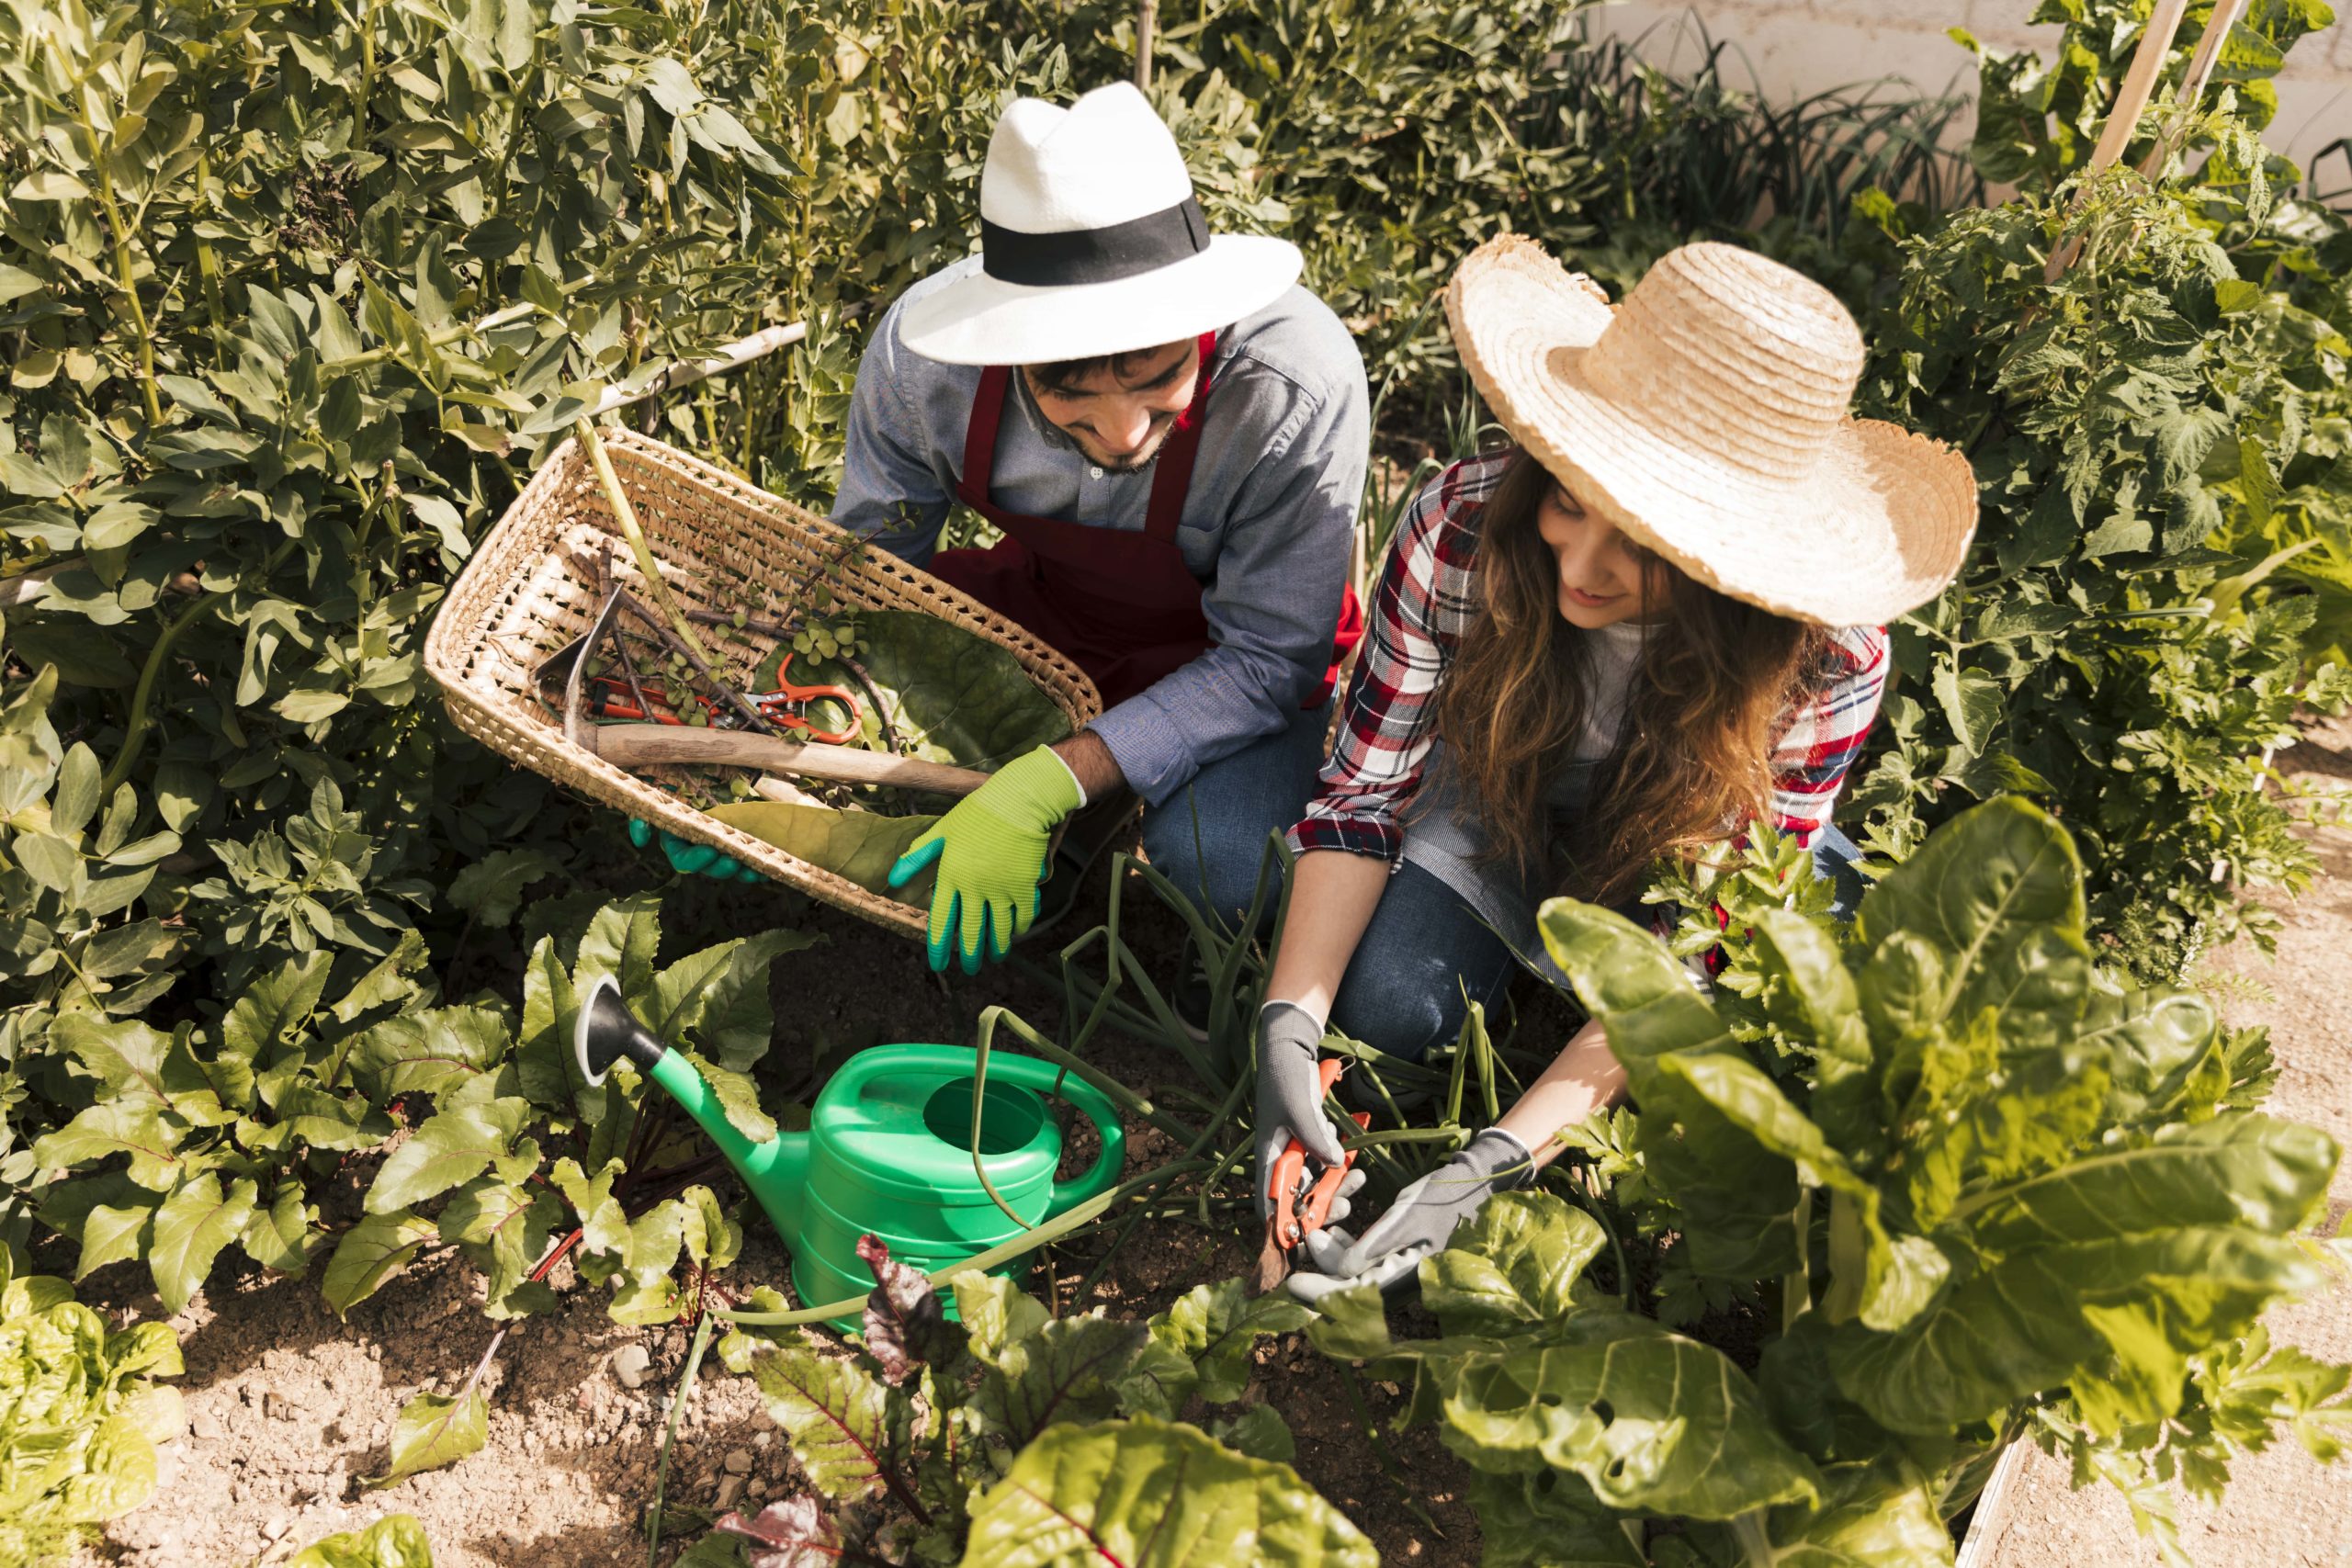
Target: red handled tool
{"x": 1294, "y": 1214}
{"x": 786, "y": 707}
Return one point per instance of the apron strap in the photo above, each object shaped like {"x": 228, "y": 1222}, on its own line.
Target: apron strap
{"x": 1171, "y": 478}
{"x": 979, "y": 435}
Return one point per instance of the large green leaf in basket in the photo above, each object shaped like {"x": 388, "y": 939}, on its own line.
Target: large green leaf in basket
{"x": 953, "y": 697}
{"x": 859, "y": 845}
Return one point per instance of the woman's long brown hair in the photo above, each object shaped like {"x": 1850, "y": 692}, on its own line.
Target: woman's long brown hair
{"x": 1692, "y": 764}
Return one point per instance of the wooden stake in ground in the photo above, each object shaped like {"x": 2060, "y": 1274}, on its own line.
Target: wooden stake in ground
{"x": 2123, "y": 119}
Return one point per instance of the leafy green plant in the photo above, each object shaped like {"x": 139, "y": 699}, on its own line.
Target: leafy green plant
{"x": 2098, "y": 651}
{"x": 80, "y": 1416}
{"x": 1010, "y": 1435}
{"x": 1915, "y": 1190}
{"x": 396, "y": 1541}
{"x": 527, "y": 1163}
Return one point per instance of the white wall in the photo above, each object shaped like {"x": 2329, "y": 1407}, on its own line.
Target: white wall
{"x": 1803, "y": 46}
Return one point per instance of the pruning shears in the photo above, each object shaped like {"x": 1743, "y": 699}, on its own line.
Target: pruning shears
{"x": 1297, "y": 1214}
{"x": 786, "y": 708}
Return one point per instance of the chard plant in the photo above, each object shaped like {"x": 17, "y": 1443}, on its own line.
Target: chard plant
{"x": 1928, "y": 1186}
{"x": 1013, "y": 1436}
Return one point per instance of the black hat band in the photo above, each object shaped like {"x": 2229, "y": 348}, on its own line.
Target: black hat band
{"x": 1095, "y": 255}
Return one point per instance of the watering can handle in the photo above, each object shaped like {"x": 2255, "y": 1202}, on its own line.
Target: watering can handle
{"x": 1047, "y": 1079}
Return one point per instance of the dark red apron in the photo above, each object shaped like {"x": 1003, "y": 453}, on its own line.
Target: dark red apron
{"x": 1121, "y": 606}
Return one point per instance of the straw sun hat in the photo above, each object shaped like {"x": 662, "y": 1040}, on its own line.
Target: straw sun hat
{"x": 1707, "y": 417}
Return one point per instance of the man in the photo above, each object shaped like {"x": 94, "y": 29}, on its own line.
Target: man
{"x": 1171, "y": 436}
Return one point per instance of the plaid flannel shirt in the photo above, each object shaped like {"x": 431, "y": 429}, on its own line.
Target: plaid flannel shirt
{"x": 1427, "y": 598}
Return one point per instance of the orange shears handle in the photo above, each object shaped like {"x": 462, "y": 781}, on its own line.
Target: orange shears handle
{"x": 786, "y": 692}
{"x": 1294, "y": 1216}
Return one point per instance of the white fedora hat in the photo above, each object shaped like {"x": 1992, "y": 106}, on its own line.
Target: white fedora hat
{"x": 1707, "y": 416}
{"x": 1091, "y": 244}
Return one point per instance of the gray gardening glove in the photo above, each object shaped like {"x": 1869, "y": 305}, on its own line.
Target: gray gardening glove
{"x": 1420, "y": 1223}
{"x": 1290, "y": 1101}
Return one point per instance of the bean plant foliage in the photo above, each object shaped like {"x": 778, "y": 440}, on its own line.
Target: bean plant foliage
{"x": 1897, "y": 1194}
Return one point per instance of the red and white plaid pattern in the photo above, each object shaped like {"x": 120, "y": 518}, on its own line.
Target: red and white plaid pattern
{"x": 1426, "y": 601}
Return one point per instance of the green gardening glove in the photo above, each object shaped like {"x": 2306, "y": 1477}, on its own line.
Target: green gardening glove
{"x": 686, "y": 857}
{"x": 992, "y": 854}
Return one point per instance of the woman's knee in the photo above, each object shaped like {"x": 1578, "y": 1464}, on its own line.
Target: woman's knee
{"x": 1424, "y": 959}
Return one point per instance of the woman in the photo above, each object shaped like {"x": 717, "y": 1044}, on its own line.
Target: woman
{"x": 1656, "y": 618}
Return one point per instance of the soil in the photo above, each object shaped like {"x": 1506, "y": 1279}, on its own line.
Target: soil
{"x": 291, "y": 1408}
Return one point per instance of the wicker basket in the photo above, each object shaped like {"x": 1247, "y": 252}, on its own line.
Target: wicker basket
{"x": 724, "y": 546}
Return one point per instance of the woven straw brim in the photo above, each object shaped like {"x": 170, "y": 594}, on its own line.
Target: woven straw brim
{"x": 724, "y": 546}
{"x": 980, "y": 320}
{"x": 1880, "y": 526}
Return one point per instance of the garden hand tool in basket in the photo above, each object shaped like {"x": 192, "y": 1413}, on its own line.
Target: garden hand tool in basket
{"x": 1296, "y": 1212}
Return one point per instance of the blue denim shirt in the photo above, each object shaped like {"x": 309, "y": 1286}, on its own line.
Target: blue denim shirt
{"x": 1268, "y": 525}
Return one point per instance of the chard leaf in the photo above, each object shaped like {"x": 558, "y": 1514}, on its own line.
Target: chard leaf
{"x": 738, "y": 1096}
{"x": 371, "y": 1252}
{"x": 279, "y": 1237}
{"x": 1999, "y": 892}
{"x": 718, "y": 997}
{"x": 429, "y": 1053}
{"x": 1810, "y": 995}
{"x": 859, "y": 845}
{"x": 191, "y": 1227}
{"x": 838, "y": 1416}
{"x": 2027, "y": 1322}
{"x": 1257, "y": 1431}
{"x": 1737, "y": 1196}
{"x": 432, "y": 1430}
{"x": 996, "y": 1314}
{"x": 2244, "y": 1170}
{"x": 1870, "y": 1515}
{"x": 503, "y": 1227}
{"x": 454, "y": 1146}
{"x": 1154, "y": 1495}
{"x": 1650, "y": 1420}
{"x": 2163, "y": 1044}
{"x": 791, "y": 1532}
{"x": 149, "y": 1136}
{"x": 906, "y": 1326}
{"x": 621, "y": 941}
{"x": 604, "y": 1223}
{"x": 1517, "y": 1262}
{"x": 1067, "y": 1370}
{"x": 1545, "y": 1519}
{"x": 1213, "y": 1329}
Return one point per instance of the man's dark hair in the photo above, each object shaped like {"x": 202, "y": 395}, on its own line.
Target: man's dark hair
{"x": 1068, "y": 376}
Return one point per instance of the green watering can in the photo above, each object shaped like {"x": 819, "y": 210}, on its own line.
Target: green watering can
{"x": 888, "y": 1150}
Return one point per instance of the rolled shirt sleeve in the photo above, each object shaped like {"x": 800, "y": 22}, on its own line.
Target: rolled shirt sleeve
{"x": 1419, "y": 610}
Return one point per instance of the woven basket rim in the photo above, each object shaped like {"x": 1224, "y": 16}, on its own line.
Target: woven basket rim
{"x": 513, "y": 592}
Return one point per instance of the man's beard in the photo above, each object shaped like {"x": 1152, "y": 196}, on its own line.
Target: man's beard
{"x": 1151, "y": 455}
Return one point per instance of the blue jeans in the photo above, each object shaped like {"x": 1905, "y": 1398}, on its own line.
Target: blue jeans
{"x": 1209, "y": 838}
{"x": 1426, "y": 955}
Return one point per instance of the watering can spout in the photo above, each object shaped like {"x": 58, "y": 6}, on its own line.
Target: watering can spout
{"x": 775, "y": 1170}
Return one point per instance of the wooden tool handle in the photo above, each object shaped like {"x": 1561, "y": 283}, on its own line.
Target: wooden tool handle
{"x": 651, "y": 745}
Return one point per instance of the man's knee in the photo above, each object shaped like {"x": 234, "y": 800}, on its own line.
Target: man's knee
{"x": 1219, "y": 866}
